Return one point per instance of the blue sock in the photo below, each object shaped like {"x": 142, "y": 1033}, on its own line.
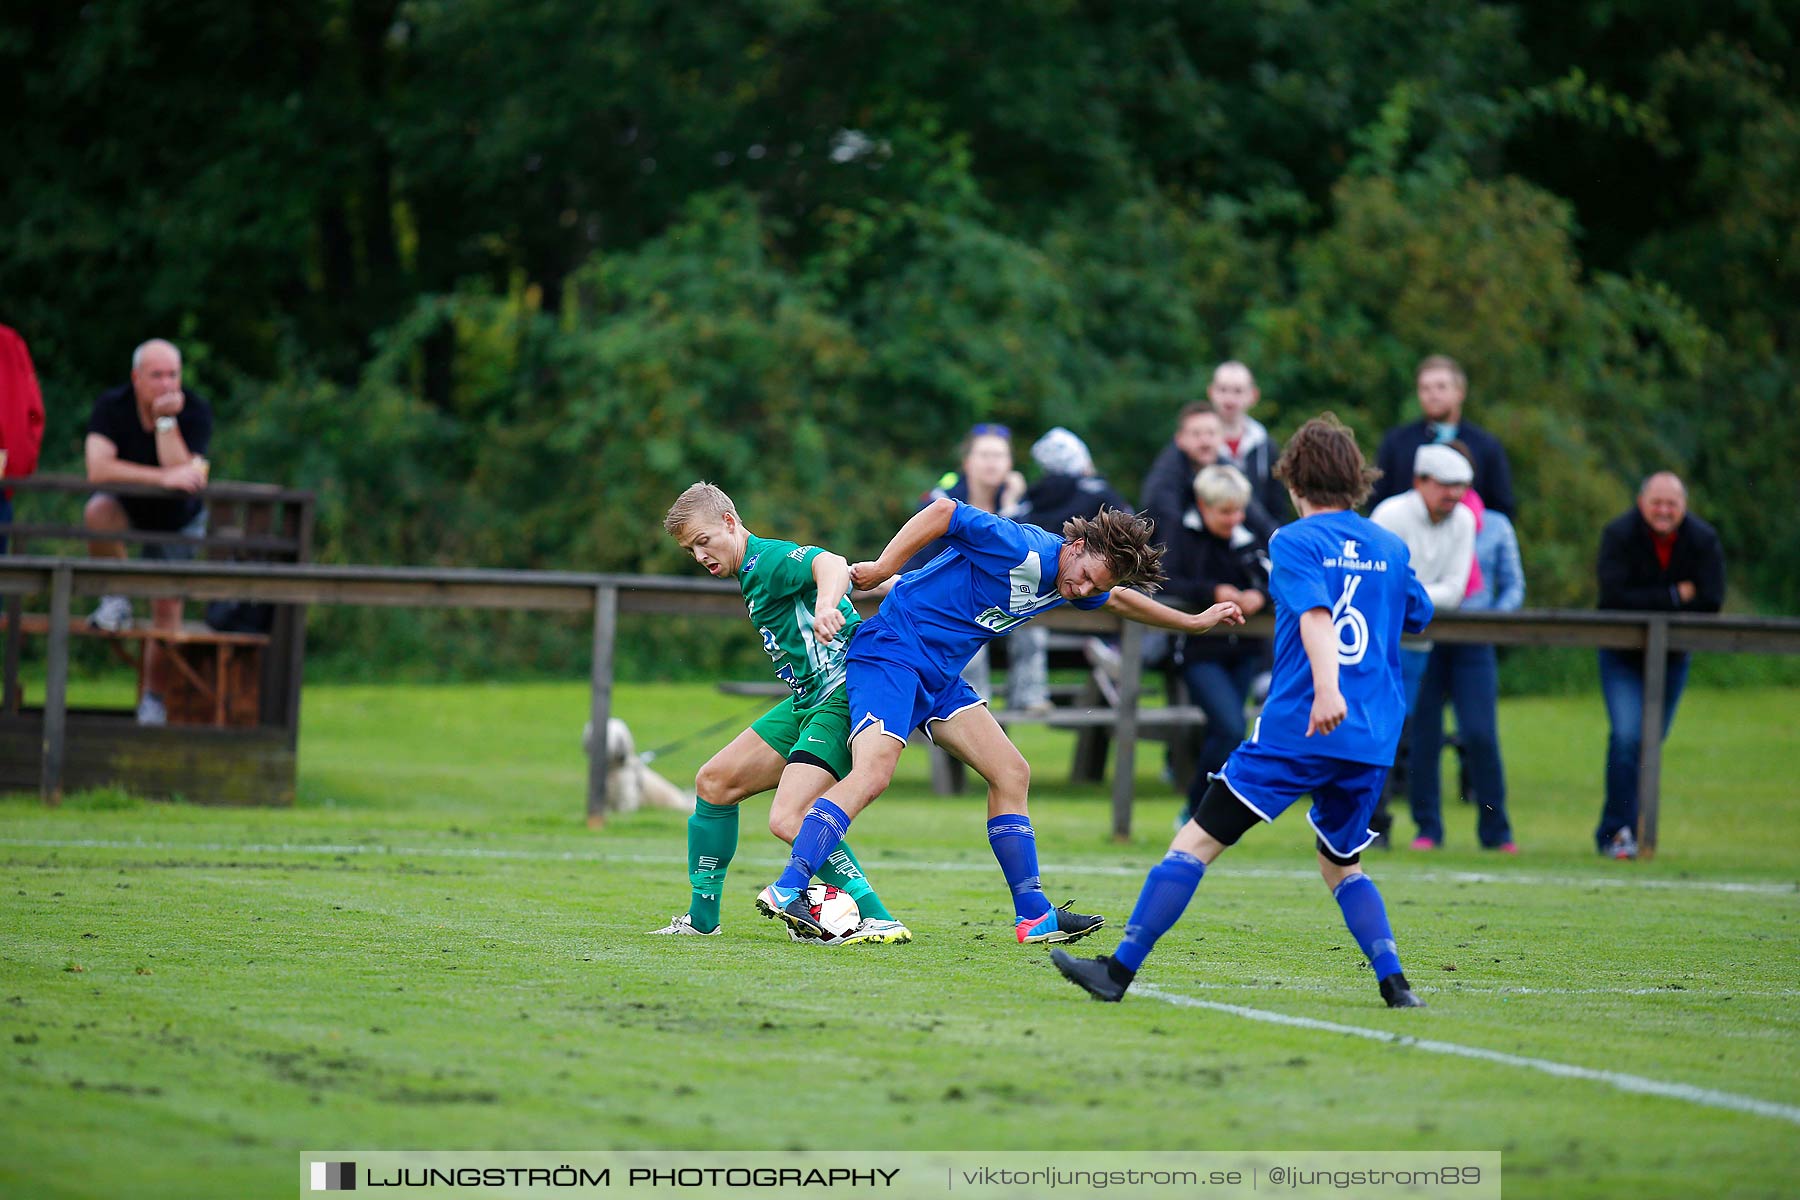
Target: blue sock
{"x": 1367, "y": 918}
{"x": 1015, "y": 845}
{"x": 1167, "y": 890}
{"x": 824, "y": 827}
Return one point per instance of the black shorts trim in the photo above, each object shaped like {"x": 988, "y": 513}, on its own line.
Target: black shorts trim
{"x": 1224, "y": 815}
{"x": 1334, "y": 856}
{"x": 813, "y": 760}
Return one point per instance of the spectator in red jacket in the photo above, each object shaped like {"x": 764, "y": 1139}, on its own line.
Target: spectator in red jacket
{"x": 21, "y": 417}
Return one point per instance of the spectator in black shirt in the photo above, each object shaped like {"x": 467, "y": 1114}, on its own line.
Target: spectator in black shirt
{"x": 149, "y": 431}
{"x": 1658, "y": 558}
{"x": 1442, "y": 387}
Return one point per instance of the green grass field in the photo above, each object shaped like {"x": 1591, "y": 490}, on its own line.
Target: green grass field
{"x": 431, "y": 951}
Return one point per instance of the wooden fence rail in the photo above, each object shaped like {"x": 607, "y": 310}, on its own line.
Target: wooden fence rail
{"x": 606, "y": 597}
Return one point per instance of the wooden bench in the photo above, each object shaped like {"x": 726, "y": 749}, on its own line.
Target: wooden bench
{"x": 1093, "y": 715}
{"x": 1088, "y": 708}
{"x": 217, "y": 675}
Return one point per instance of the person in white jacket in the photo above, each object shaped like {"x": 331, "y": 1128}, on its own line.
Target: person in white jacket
{"x": 1440, "y": 533}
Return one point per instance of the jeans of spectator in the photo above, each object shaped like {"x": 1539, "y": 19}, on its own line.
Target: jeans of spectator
{"x": 1220, "y": 687}
{"x": 1622, "y": 683}
{"x": 976, "y": 674}
{"x": 6, "y": 519}
{"x": 1028, "y": 667}
{"x": 1412, "y": 670}
{"x": 1469, "y": 678}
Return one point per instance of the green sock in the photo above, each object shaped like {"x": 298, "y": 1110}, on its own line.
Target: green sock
{"x": 843, "y": 872}
{"x": 712, "y": 840}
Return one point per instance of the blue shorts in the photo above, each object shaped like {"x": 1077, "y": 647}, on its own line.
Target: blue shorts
{"x": 886, "y": 687}
{"x": 1344, "y": 793}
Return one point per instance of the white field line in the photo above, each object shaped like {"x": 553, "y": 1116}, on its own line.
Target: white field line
{"x": 1742, "y": 887}
{"x": 1747, "y": 887}
{"x": 1624, "y": 1082}
{"x": 1696, "y": 992}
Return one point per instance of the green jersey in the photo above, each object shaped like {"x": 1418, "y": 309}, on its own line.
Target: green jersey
{"x": 781, "y": 595}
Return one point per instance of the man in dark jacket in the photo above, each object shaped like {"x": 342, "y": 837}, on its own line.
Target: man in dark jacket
{"x": 1442, "y": 387}
{"x": 1656, "y": 558}
{"x": 1168, "y": 488}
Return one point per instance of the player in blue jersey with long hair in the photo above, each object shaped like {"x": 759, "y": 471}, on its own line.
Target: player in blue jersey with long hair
{"x": 903, "y": 673}
{"x": 1344, "y": 590}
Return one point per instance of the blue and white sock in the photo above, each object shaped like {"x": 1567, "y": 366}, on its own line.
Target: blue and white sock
{"x": 1167, "y": 890}
{"x": 1015, "y": 846}
{"x": 1366, "y": 917}
{"x": 824, "y": 827}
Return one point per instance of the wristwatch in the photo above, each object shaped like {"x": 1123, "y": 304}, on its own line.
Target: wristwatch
{"x": 164, "y": 424}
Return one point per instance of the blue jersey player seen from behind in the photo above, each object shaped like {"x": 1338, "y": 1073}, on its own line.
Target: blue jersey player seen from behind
{"x": 904, "y": 669}
{"x": 1344, "y": 590}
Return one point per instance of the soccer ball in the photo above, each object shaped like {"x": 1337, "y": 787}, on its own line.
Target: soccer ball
{"x": 833, "y": 909}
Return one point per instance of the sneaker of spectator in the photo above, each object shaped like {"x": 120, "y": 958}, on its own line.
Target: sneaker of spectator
{"x": 151, "y": 710}
{"x": 113, "y": 615}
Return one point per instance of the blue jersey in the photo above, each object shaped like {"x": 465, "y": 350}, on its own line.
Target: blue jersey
{"x": 996, "y": 575}
{"x": 1361, "y": 573}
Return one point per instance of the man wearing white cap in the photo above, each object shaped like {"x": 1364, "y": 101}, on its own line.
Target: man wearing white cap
{"x": 1439, "y": 530}
{"x": 1440, "y": 533}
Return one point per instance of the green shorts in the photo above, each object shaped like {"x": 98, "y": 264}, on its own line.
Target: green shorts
{"x": 820, "y": 736}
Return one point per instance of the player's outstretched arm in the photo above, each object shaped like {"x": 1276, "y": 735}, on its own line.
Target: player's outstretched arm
{"x": 1135, "y": 606}
{"x": 832, "y": 575}
{"x": 925, "y": 527}
{"x": 1319, "y": 636}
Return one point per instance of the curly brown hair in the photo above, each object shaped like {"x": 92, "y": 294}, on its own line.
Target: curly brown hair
{"x": 1121, "y": 540}
{"x": 1324, "y": 466}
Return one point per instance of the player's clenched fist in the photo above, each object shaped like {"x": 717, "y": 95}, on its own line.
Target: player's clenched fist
{"x": 868, "y": 574}
{"x": 827, "y": 622}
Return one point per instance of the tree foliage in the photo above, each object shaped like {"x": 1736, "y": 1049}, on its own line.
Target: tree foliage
{"x": 497, "y": 278}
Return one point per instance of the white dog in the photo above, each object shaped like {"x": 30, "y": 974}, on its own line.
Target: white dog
{"x": 630, "y": 785}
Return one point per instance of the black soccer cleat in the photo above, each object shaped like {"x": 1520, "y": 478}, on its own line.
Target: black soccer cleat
{"x": 1398, "y": 993}
{"x": 1102, "y": 978}
{"x": 1057, "y": 925}
{"x": 1073, "y": 925}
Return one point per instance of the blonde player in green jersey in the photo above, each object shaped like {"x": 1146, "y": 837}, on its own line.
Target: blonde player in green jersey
{"x": 796, "y": 597}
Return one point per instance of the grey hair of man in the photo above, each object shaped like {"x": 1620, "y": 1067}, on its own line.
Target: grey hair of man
{"x": 137, "y": 356}
{"x": 1657, "y": 476}
{"x": 1234, "y": 367}
{"x": 1222, "y": 486}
